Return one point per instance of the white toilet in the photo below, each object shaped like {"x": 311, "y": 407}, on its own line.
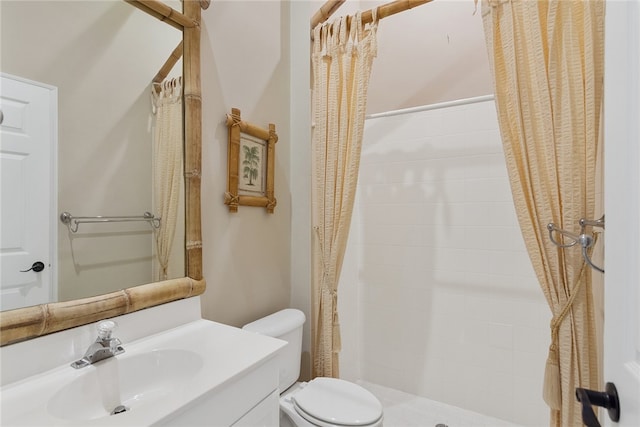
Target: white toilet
{"x": 324, "y": 402}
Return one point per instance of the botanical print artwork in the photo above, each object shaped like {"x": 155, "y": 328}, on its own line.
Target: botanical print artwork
{"x": 250, "y": 163}
{"x": 252, "y": 160}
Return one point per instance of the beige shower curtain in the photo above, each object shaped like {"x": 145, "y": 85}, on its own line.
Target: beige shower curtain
{"x": 547, "y": 62}
{"x": 342, "y": 57}
{"x": 167, "y": 166}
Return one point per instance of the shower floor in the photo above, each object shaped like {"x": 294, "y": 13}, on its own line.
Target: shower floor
{"x": 407, "y": 410}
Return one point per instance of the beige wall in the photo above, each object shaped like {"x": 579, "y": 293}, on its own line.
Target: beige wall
{"x": 300, "y": 100}
{"x": 429, "y": 54}
{"x": 89, "y": 50}
{"x": 245, "y": 64}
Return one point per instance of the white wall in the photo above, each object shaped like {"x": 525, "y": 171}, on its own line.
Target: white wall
{"x": 437, "y": 294}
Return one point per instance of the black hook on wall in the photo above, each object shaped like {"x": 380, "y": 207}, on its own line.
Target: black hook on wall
{"x": 607, "y": 399}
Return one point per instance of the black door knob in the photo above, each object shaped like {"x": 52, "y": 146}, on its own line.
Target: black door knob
{"x": 607, "y": 399}
{"x": 37, "y": 266}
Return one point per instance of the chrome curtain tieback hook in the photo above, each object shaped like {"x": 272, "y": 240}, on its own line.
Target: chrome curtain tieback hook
{"x": 585, "y": 240}
{"x": 574, "y": 238}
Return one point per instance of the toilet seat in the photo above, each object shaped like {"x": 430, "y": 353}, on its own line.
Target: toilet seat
{"x": 333, "y": 402}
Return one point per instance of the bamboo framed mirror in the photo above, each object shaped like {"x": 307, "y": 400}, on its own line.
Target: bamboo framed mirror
{"x": 24, "y": 323}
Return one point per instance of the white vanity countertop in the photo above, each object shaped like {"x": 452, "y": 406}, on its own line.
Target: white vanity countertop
{"x": 37, "y": 355}
{"x": 223, "y": 353}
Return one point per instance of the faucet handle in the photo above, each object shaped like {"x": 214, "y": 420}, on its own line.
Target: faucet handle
{"x": 105, "y": 328}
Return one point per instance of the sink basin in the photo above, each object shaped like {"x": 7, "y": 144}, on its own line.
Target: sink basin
{"x": 125, "y": 382}
{"x": 196, "y": 373}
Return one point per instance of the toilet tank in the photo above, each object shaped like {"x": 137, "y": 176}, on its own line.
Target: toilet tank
{"x": 285, "y": 325}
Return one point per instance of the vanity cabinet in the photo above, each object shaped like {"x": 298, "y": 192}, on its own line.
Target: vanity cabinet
{"x": 265, "y": 413}
{"x": 248, "y": 401}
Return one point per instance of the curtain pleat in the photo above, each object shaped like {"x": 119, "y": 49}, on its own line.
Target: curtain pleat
{"x": 342, "y": 57}
{"x": 167, "y": 166}
{"x": 547, "y": 61}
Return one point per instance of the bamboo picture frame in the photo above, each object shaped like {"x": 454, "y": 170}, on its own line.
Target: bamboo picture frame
{"x": 250, "y": 164}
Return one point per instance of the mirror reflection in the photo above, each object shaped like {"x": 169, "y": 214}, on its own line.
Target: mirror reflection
{"x": 100, "y": 56}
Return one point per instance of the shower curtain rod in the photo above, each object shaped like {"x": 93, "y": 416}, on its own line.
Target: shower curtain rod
{"x": 325, "y": 12}
{"x": 168, "y": 65}
{"x": 384, "y": 10}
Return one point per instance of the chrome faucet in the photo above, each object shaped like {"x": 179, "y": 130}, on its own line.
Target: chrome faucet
{"x": 104, "y": 346}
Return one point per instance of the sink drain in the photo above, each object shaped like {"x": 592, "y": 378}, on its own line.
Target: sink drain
{"x": 119, "y": 409}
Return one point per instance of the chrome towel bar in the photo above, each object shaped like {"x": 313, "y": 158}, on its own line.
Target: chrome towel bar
{"x": 73, "y": 222}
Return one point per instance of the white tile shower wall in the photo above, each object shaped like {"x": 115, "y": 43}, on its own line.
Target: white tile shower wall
{"x": 437, "y": 294}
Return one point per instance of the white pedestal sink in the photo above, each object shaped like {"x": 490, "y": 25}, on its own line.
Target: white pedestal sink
{"x": 195, "y": 373}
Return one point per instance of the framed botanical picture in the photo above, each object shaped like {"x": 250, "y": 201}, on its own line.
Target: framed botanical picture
{"x": 252, "y": 168}
{"x": 251, "y": 162}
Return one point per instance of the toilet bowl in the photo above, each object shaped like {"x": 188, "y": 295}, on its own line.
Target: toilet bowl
{"x": 329, "y": 402}
{"x": 321, "y": 402}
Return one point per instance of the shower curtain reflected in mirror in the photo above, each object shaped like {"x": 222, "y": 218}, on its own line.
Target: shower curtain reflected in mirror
{"x": 167, "y": 167}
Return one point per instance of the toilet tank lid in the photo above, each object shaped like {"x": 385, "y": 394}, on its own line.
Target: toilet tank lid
{"x": 277, "y": 324}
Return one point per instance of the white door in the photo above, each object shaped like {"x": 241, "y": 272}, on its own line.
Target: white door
{"x": 622, "y": 207}
{"x": 27, "y": 150}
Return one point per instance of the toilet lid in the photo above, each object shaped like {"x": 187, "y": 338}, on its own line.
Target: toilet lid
{"x": 338, "y": 402}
